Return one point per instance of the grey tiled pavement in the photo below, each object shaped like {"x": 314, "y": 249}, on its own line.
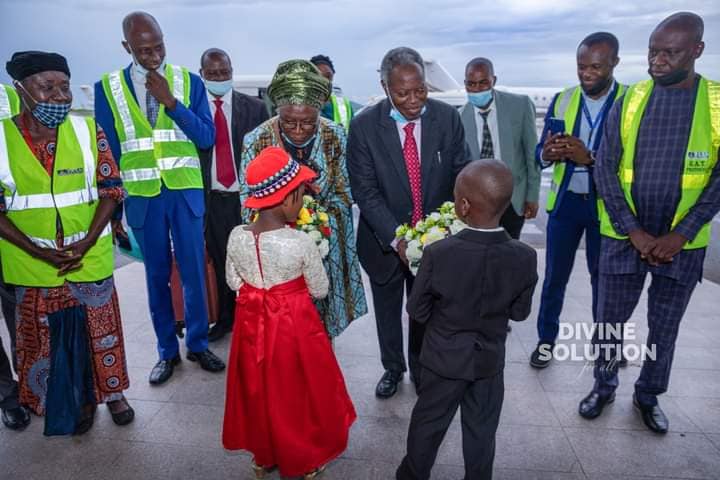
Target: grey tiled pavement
{"x": 176, "y": 434}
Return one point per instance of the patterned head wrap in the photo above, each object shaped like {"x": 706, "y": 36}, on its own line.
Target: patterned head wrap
{"x": 298, "y": 82}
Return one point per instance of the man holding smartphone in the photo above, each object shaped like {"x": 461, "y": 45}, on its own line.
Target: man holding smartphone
{"x": 573, "y": 128}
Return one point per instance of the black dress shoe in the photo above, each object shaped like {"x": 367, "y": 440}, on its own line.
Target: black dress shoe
{"x": 163, "y": 370}
{"x": 592, "y": 405}
{"x": 387, "y": 386}
{"x": 653, "y": 417}
{"x": 217, "y": 332}
{"x": 208, "y": 361}
{"x": 541, "y": 356}
{"x": 86, "y": 420}
{"x": 16, "y": 418}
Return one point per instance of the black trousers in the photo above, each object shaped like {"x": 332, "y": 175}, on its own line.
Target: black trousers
{"x": 512, "y": 222}
{"x": 388, "y": 303}
{"x": 8, "y": 385}
{"x": 223, "y": 214}
{"x": 480, "y": 403}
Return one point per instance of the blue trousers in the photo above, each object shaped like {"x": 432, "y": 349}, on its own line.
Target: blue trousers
{"x": 575, "y": 215}
{"x": 667, "y": 301}
{"x": 176, "y": 215}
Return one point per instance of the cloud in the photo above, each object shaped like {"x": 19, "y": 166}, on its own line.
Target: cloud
{"x": 532, "y": 43}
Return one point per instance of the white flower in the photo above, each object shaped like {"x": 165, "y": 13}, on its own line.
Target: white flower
{"x": 315, "y": 235}
{"x": 414, "y": 250}
{"x": 456, "y": 226}
{"x": 409, "y": 235}
{"x": 434, "y": 234}
{"x": 324, "y": 247}
{"x": 435, "y": 217}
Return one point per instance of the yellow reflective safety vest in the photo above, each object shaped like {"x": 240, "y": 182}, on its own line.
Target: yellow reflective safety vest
{"x": 9, "y": 102}
{"x": 342, "y": 111}
{"x": 700, "y": 157}
{"x": 35, "y": 201}
{"x": 567, "y": 107}
{"x": 152, "y": 156}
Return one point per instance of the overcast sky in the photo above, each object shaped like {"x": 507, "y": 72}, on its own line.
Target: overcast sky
{"x": 532, "y": 43}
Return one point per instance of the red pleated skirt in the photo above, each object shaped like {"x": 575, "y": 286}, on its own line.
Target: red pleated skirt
{"x": 286, "y": 400}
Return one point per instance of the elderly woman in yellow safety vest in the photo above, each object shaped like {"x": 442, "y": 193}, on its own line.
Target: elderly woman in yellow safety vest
{"x": 59, "y": 186}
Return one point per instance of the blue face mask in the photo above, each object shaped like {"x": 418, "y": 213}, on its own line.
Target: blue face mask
{"x": 49, "y": 114}
{"x": 218, "y": 89}
{"x": 395, "y": 113}
{"x": 481, "y": 99}
{"x": 305, "y": 144}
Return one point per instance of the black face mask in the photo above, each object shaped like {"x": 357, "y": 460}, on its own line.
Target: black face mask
{"x": 671, "y": 78}
{"x": 601, "y": 85}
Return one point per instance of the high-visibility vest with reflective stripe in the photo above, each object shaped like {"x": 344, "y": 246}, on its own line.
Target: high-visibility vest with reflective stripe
{"x": 700, "y": 157}
{"x": 34, "y": 200}
{"x": 342, "y": 110}
{"x": 149, "y": 155}
{"x": 567, "y": 107}
{"x": 9, "y": 102}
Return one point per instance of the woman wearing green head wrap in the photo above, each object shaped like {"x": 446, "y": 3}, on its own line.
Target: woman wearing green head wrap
{"x": 299, "y": 91}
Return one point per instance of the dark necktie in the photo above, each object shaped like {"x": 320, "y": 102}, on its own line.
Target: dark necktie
{"x": 487, "y": 146}
{"x": 412, "y": 163}
{"x": 153, "y": 108}
{"x": 224, "y": 165}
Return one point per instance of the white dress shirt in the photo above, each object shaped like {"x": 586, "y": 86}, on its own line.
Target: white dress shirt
{"x": 492, "y": 125}
{"x": 227, "y": 110}
{"x": 138, "y": 82}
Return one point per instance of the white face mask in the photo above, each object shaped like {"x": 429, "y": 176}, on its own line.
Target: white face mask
{"x": 142, "y": 71}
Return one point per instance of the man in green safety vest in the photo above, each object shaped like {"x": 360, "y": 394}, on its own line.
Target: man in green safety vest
{"x": 156, "y": 117}
{"x": 9, "y": 102}
{"x": 658, "y": 178}
{"x": 573, "y": 128}
{"x": 338, "y": 108}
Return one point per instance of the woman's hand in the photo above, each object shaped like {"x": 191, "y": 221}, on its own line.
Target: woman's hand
{"x": 64, "y": 261}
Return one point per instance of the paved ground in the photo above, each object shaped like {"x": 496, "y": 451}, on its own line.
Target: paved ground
{"x": 176, "y": 434}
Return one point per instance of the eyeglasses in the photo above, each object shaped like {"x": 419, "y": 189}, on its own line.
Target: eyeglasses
{"x": 303, "y": 125}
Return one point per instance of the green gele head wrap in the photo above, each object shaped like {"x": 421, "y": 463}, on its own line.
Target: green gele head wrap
{"x": 298, "y": 82}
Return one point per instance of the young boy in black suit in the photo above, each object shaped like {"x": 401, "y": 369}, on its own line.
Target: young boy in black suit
{"x": 467, "y": 288}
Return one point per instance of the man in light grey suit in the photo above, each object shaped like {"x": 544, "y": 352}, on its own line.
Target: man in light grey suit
{"x": 502, "y": 125}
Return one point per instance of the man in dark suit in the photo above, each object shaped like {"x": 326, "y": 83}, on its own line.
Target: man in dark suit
{"x": 219, "y": 166}
{"x": 502, "y": 125}
{"x": 467, "y": 287}
{"x": 403, "y": 156}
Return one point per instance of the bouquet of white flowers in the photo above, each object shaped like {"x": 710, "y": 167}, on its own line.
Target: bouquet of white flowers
{"x": 436, "y": 226}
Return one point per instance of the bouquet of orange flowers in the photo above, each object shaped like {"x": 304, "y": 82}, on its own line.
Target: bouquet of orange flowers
{"x": 314, "y": 220}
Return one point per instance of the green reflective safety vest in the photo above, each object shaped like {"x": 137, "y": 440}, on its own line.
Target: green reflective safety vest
{"x": 567, "y": 107}
{"x": 34, "y": 200}
{"x": 9, "y": 102}
{"x": 700, "y": 157}
{"x": 151, "y": 156}
{"x": 342, "y": 111}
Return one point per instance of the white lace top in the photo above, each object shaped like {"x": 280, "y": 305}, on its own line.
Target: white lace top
{"x": 285, "y": 254}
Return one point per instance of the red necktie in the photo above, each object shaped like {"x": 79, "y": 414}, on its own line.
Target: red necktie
{"x": 412, "y": 163}
{"x": 224, "y": 165}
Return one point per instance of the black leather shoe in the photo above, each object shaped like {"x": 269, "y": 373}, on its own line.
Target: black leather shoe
{"x": 163, "y": 370}
{"x": 592, "y": 405}
{"x": 208, "y": 361}
{"x": 121, "y": 416}
{"x": 387, "y": 386}
{"x": 16, "y": 418}
{"x": 217, "y": 332}
{"x": 541, "y": 356}
{"x": 653, "y": 417}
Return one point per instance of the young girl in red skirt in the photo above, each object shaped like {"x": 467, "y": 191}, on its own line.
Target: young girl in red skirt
{"x": 286, "y": 400}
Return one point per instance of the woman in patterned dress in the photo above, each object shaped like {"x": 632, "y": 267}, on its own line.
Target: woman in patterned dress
{"x": 70, "y": 350}
{"x": 298, "y": 90}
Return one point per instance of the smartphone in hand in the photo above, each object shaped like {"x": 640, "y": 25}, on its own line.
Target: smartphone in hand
{"x": 556, "y": 125}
